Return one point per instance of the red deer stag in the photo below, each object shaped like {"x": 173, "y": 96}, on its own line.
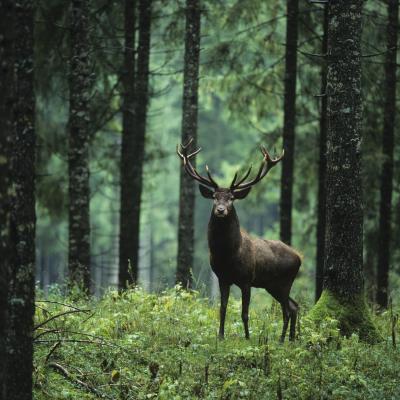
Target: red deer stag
{"x": 235, "y": 256}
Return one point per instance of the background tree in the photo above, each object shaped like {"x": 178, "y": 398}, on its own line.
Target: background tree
{"x": 323, "y": 126}
{"x": 6, "y": 134}
{"x": 128, "y": 230}
{"x": 189, "y": 130}
{"x": 138, "y": 146}
{"x": 389, "y": 120}
{"x": 78, "y": 152}
{"x": 286, "y": 201}
{"x": 23, "y": 218}
{"x": 343, "y": 294}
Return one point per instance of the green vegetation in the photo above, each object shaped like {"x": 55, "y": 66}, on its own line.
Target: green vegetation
{"x": 137, "y": 345}
{"x": 350, "y": 317}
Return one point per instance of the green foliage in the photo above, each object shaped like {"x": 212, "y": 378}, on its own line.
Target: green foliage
{"x": 240, "y": 106}
{"x": 352, "y": 315}
{"x": 136, "y": 345}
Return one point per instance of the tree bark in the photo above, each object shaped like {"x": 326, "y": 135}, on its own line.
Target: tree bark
{"x": 387, "y": 150}
{"x": 23, "y": 218}
{"x": 136, "y": 158}
{"x": 343, "y": 294}
{"x": 323, "y": 126}
{"x": 78, "y": 152}
{"x": 127, "y": 178}
{"x": 6, "y": 135}
{"x": 289, "y": 122}
{"x": 189, "y": 129}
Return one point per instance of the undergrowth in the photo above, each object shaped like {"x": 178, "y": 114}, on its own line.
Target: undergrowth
{"x": 137, "y": 345}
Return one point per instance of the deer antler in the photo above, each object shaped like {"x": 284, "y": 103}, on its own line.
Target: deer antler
{"x": 182, "y": 151}
{"x": 266, "y": 164}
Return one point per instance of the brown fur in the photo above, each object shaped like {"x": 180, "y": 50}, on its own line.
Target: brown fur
{"x": 239, "y": 259}
{"x": 236, "y": 257}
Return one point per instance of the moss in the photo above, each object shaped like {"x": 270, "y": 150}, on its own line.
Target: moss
{"x": 353, "y": 315}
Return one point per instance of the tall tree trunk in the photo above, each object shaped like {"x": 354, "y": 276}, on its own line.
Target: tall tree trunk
{"x": 136, "y": 157}
{"x": 189, "y": 129}
{"x": 289, "y": 121}
{"x": 387, "y": 150}
{"x": 343, "y": 294}
{"x": 323, "y": 127}
{"x": 78, "y": 154}
{"x": 127, "y": 209}
{"x": 6, "y": 135}
{"x": 23, "y": 218}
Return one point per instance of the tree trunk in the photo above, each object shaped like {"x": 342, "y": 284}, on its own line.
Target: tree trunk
{"x": 136, "y": 157}
{"x": 289, "y": 121}
{"x": 127, "y": 209}
{"x": 343, "y": 294}
{"x": 189, "y": 129}
{"x": 6, "y": 135}
{"x": 323, "y": 126}
{"x": 23, "y": 218}
{"x": 387, "y": 150}
{"x": 78, "y": 154}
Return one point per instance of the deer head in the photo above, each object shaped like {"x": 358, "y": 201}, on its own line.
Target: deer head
{"x": 238, "y": 189}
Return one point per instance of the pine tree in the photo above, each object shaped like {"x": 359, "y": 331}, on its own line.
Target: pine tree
{"x": 286, "y": 200}
{"x": 322, "y": 169}
{"x": 23, "y": 218}
{"x": 189, "y": 130}
{"x": 127, "y": 209}
{"x": 387, "y": 149}
{"x": 78, "y": 151}
{"x": 6, "y": 134}
{"x": 343, "y": 294}
{"x": 136, "y": 157}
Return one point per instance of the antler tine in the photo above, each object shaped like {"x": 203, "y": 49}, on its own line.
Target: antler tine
{"x": 245, "y": 175}
{"x": 266, "y": 164}
{"x": 232, "y": 186}
{"x": 210, "y": 177}
{"x": 182, "y": 151}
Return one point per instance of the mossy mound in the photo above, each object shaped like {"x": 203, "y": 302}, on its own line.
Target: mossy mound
{"x": 353, "y": 316}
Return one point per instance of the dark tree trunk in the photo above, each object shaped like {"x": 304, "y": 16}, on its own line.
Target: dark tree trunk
{"x": 387, "y": 150}
{"x": 343, "y": 294}
{"x": 323, "y": 127}
{"x": 127, "y": 210}
{"x": 289, "y": 121}
{"x": 136, "y": 157}
{"x": 78, "y": 154}
{"x": 23, "y": 218}
{"x": 189, "y": 129}
{"x": 6, "y": 135}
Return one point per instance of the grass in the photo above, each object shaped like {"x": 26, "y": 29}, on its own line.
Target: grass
{"x": 164, "y": 346}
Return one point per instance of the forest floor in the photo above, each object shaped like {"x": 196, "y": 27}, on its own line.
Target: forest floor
{"x": 164, "y": 346}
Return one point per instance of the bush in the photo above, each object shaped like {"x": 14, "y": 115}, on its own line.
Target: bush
{"x": 137, "y": 345}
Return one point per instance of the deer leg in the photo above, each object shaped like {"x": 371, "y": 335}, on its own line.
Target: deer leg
{"x": 246, "y": 293}
{"x": 224, "y": 289}
{"x": 294, "y": 307}
{"x": 286, "y": 315}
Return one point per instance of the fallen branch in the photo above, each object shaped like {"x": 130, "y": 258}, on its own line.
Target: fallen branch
{"x": 77, "y": 382}
{"x": 58, "y": 316}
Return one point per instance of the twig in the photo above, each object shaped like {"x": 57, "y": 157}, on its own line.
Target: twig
{"x": 52, "y": 350}
{"x": 63, "y": 371}
{"x": 60, "y": 304}
{"x": 58, "y": 316}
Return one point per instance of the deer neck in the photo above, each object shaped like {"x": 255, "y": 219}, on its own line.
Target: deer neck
{"x": 224, "y": 235}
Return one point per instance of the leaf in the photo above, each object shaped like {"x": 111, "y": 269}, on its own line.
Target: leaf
{"x": 115, "y": 375}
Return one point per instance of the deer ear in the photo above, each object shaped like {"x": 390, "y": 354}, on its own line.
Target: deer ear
{"x": 241, "y": 194}
{"x": 206, "y": 192}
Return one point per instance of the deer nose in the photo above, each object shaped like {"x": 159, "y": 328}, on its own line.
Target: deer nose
{"x": 220, "y": 209}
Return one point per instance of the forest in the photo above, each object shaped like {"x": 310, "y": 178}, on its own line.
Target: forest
{"x": 199, "y": 199}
